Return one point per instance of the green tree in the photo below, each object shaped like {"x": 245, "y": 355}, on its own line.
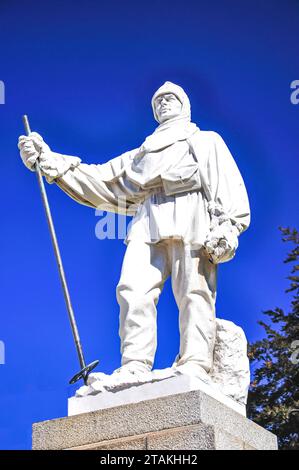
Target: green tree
{"x": 274, "y": 391}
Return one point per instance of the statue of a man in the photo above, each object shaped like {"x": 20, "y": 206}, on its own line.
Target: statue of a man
{"x": 189, "y": 205}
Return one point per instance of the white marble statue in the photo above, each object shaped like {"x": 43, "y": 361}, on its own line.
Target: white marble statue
{"x": 189, "y": 206}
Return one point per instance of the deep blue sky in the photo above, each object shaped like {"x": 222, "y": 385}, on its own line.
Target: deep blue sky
{"x": 85, "y": 73}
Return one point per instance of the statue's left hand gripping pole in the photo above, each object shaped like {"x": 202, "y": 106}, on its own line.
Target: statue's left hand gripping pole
{"x": 85, "y": 369}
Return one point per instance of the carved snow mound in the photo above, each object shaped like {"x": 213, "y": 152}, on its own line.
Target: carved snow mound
{"x": 230, "y": 372}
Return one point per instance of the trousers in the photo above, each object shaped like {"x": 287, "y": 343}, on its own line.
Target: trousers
{"x": 144, "y": 271}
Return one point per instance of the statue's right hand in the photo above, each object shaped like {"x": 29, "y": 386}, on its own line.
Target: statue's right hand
{"x": 32, "y": 148}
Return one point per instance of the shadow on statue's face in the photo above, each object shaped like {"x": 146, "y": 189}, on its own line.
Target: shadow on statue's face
{"x": 167, "y": 107}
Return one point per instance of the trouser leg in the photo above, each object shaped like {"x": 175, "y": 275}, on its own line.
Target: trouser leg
{"x": 194, "y": 286}
{"x": 144, "y": 271}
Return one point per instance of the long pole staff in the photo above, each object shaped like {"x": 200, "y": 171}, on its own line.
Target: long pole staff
{"x": 85, "y": 369}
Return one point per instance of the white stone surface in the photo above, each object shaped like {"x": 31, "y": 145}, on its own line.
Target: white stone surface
{"x": 134, "y": 394}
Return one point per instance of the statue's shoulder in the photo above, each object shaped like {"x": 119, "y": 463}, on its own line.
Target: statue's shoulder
{"x": 207, "y": 136}
{"x": 205, "y": 141}
{"x": 209, "y": 141}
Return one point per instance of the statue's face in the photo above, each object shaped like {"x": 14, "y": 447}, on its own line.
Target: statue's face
{"x": 167, "y": 107}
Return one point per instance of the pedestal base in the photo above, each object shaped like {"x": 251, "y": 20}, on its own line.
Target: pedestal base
{"x": 184, "y": 421}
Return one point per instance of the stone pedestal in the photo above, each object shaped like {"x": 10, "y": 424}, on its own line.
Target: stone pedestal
{"x": 182, "y": 421}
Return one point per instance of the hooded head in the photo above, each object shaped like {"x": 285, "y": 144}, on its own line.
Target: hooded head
{"x": 182, "y": 112}
{"x": 175, "y": 125}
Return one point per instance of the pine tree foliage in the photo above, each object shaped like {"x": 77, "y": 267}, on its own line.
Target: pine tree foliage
{"x": 273, "y": 400}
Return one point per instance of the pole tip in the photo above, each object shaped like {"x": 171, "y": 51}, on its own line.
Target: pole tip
{"x": 26, "y": 124}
